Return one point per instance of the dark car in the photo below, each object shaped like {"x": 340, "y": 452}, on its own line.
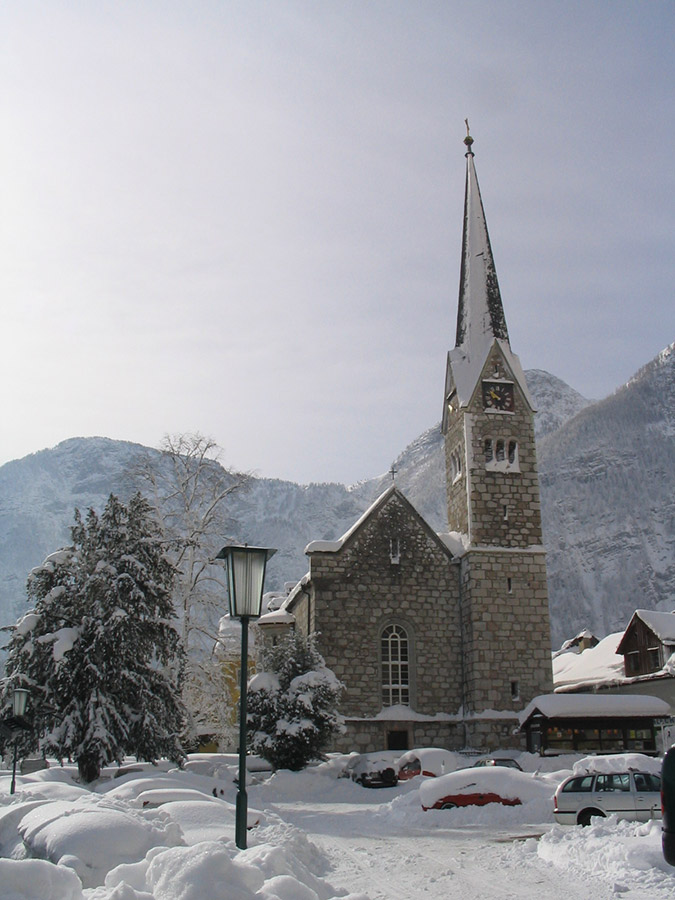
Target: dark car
{"x": 668, "y": 806}
{"x": 372, "y": 770}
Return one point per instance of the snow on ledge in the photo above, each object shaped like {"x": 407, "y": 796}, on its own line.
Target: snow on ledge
{"x": 402, "y": 713}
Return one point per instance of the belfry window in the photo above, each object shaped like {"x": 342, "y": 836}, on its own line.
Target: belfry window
{"x": 455, "y": 465}
{"x": 501, "y": 454}
{"x": 395, "y": 650}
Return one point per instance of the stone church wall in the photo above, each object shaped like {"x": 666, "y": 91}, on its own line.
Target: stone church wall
{"x": 392, "y": 571}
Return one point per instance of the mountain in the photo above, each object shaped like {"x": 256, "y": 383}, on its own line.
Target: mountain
{"x": 607, "y": 483}
{"x": 608, "y": 505}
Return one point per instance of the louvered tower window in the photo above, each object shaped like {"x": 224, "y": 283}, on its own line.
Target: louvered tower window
{"x": 395, "y": 666}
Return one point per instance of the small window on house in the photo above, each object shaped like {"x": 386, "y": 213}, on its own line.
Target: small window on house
{"x": 509, "y": 585}
{"x": 633, "y": 662}
{"x": 515, "y": 690}
{"x": 654, "y": 658}
{"x": 499, "y": 451}
{"x": 513, "y": 452}
{"x": 505, "y": 510}
{"x": 487, "y": 450}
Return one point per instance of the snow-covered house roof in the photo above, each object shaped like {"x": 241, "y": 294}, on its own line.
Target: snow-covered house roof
{"x": 662, "y": 624}
{"x": 277, "y": 617}
{"x": 572, "y": 670}
{"x": 571, "y": 706}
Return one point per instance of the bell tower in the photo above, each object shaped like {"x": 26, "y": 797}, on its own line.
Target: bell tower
{"x": 493, "y": 489}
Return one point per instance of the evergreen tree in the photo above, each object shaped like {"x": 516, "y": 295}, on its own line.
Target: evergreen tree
{"x": 99, "y": 651}
{"x": 293, "y": 704}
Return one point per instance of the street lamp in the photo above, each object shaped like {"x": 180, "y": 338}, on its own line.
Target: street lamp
{"x": 19, "y": 700}
{"x": 245, "y": 578}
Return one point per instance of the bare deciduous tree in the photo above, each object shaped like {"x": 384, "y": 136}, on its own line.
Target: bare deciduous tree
{"x": 189, "y": 489}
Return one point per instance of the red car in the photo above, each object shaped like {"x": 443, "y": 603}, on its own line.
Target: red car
{"x": 454, "y": 800}
{"x": 478, "y": 787}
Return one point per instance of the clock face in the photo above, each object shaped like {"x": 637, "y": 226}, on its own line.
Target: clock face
{"x": 497, "y": 395}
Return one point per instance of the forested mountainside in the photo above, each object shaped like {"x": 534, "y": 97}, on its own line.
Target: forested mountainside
{"x": 607, "y": 472}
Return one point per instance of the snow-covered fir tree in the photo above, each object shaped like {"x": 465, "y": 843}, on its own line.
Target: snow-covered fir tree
{"x": 99, "y": 651}
{"x": 293, "y": 704}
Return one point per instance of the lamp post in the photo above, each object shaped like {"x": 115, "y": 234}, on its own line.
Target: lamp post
{"x": 245, "y": 578}
{"x": 19, "y": 700}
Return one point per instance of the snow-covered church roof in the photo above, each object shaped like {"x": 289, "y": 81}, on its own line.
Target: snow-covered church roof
{"x": 451, "y": 541}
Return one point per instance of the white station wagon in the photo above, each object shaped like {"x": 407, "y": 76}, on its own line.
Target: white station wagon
{"x": 628, "y": 795}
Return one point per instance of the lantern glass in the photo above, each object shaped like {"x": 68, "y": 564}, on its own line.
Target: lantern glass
{"x": 19, "y": 700}
{"x": 245, "y": 578}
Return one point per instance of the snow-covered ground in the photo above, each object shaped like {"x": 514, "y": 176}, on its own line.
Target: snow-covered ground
{"x": 164, "y": 834}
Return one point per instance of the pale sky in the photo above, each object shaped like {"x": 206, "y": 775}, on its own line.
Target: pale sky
{"x": 244, "y": 218}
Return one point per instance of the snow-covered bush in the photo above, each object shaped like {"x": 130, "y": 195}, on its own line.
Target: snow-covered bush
{"x": 293, "y": 704}
{"x": 99, "y": 652}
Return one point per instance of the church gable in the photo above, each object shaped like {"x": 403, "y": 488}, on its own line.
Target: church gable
{"x": 390, "y": 537}
{"x": 384, "y": 600}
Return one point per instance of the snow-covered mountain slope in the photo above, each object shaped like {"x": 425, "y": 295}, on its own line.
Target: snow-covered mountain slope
{"x": 608, "y": 505}
{"x": 607, "y": 501}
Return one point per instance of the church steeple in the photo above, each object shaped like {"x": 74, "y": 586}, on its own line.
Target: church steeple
{"x": 480, "y": 315}
{"x": 481, "y": 323}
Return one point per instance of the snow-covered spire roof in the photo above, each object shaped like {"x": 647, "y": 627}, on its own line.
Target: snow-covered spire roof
{"x": 480, "y": 316}
{"x": 481, "y": 323}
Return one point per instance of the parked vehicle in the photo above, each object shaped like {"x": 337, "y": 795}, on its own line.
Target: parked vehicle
{"x": 668, "y": 806}
{"x": 480, "y": 786}
{"x": 498, "y": 761}
{"x": 372, "y": 770}
{"x": 626, "y": 794}
{"x": 429, "y": 761}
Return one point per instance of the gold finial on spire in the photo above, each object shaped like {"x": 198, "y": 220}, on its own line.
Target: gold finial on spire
{"x": 468, "y": 140}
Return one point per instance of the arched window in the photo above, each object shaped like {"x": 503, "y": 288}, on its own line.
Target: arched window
{"x": 395, "y": 666}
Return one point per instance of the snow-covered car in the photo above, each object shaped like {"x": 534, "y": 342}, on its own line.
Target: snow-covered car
{"x": 602, "y": 786}
{"x": 429, "y": 761}
{"x": 478, "y": 787}
{"x": 372, "y": 770}
{"x": 506, "y": 761}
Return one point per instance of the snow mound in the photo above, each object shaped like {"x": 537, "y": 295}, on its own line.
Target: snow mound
{"x": 621, "y": 762}
{"x": 94, "y": 834}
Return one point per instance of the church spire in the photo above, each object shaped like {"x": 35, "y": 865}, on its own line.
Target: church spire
{"x": 480, "y": 316}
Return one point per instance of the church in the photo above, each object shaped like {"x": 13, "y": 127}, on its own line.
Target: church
{"x": 443, "y": 639}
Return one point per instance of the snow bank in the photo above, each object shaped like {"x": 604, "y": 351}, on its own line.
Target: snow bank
{"x": 36, "y": 879}
{"x": 622, "y": 853}
{"x": 93, "y": 834}
{"x": 105, "y": 846}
